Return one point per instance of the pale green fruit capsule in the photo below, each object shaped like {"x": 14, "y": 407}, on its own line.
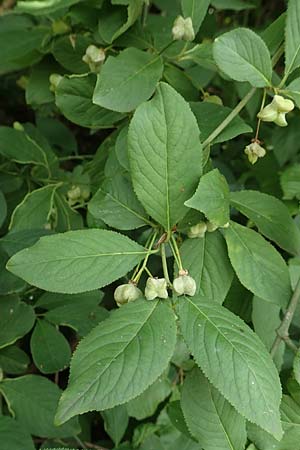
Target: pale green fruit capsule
{"x": 189, "y": 33}
{"x": 126, "y": 293}
{"x": 54, "y": 79}
{"x": 156, "y": 287}
{"x": 95, "y": 54}
{"x": 254, "y": 151}
{"x": 74, "y": 193}
{"x": 184, "y": 285}
{"x": 269, "y": 113}
{"x": 197, "y": 231}
{"x": 183, "y": 29}
{"x": 281, "y": 120}
{"x": 282, "y": 104}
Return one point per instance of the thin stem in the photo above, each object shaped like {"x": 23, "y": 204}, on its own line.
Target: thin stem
{"x": 149, "y": 252}
{"x": 166, "y": 47}
{"x": 229, "y": 118}
{"x": 164, "y": 264}
{"x": 174, "y": 243}
{"x": 261, "y": 108}
{"x": 148, "y": 272}
{"x": 283, "y": 330}
{"x": 67, "y": 158}
{"x": 174, "y": 254}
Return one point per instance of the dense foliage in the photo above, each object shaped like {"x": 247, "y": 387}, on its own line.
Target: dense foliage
{"x": 149, "y": 224}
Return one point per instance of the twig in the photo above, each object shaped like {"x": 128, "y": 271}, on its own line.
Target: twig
{"x": 283, "y": 330}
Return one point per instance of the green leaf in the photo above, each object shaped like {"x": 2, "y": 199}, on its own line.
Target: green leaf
{"x": 209, "y": 116}
{"x": 35, "y": 209}
{"x": 121, "y": 148}
{"x": 292, "y": 37}
{"x": 127, "y": 80}
{"x": 33, "y": 400}
{"x": 118, "y": 360}
{"x": 212, "y": 198}
{"x": 16, "y": 319}
{"x": 290, "y": 416}
{"x": 73, "y": 98}
{"x": 196, "y": 10}
{"x": 165, "y": 155}
{"x": 12, "y": 140}
{"x": 266, "y": 329}
{"x": 76, "y": 261}
{"x": 69, "y": 50}
{"x": 235, "y": 5}
{"x": 116, "y": 422}
{"x": 78, "y": 311}
{"x": 176, "y": 416}
{"x": 146, "y": 404}
{"x": 50, "y": 349}
{"x": 37, "y": 90}
{"x": 13, "y": 436}
{"x": 296, "y": 366}
{"x": 243, "y": 56}
{"x": 293, "y": 90}
{"x": 3, "y": 208}
{"x": 207, "y": 262}
{"x": 22, "y": 45}
{"x": 290, "y": 182}
{"x": 210, "y": 418}
{"x": 13, "y": 360}
{"x": 234, "y": 360}
{"x": 117, "y": 205}
{"x": 40, "y": 7}
{"x": 259, "y": 267}
{"x": 13, "y": 241}
{"x": 271, "y": 217}
{"x": 9, "y": 283}
{"x": 115, "y": 21}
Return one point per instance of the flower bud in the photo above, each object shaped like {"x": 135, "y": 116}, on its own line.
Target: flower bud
{"x": 126, "y": 293}
{"x": 254, "y": 151}
{"x": 184, "y": 285}
{"x": 197, "y": 231}
{"x": 156, "y": 287}
{"x": 183, "y": 29}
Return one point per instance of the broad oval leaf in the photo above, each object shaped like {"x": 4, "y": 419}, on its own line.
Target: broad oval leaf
{"x": 116, "y": 204}
{"x": 127, "y": 80}
{"x": 207, "y": 262}
{"x": 243, "y": 56}
{"x": 210, "y": 417}
{"x": 234, "y": 360}
{"x": 212, "y": 198}
{"x": 40, "y": 7}
{"x": 34, "y": 211}
{"x": 50, "y": 350}
{"x": 16, "y": 319}
{"x": 120, "y": 358}
{"x": 13, "y": 436}
{"x": 259, "y": 267}
{"x": 13, "y": 360}
{"x": 271, "y": 217}
{"x": 76, "y": 261}
{"x": 165, "y": 155}
{"x": 33, "y": 400}
{"x": 292, "y": 37}
{"x": 73, "y": 98}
